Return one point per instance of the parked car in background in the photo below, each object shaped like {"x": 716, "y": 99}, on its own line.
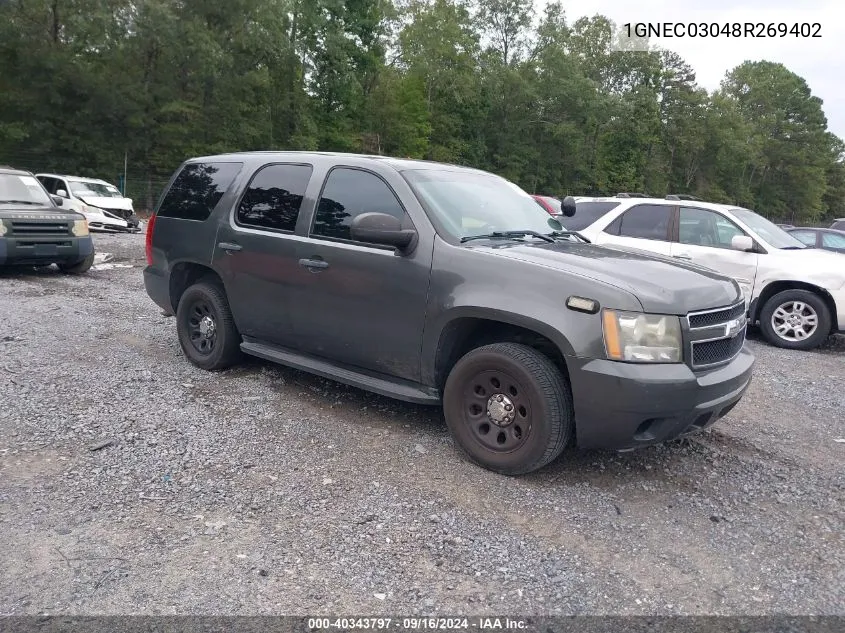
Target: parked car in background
{"x": 839, "y": 224}
{"x": 99, "y": 201}
{"x": 795, "y": 293}
{"x": 449, "y": 286}
{"x": 551, "y": 204}
{"x": 826, "y": 239}
{"x": 36, "y": 231}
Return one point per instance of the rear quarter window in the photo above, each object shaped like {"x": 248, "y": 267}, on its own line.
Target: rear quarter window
{"x": 586, "y": 213}
{"x": 197, "y": 190}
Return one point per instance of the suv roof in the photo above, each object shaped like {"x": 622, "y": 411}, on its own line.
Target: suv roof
{"x": 67, "y": 177}
{"x": 5, "y": 169}
{"x": 648, "y": 200}
{"x": 399, "y": 164}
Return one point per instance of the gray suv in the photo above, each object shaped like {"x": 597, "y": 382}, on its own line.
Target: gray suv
{"x": 440, "y": 284}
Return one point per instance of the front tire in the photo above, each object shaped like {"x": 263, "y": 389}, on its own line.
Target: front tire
{"x": 78, "y": 268}
{"x": 795, "y": 319}
{"x": 206, "y": 329}
{"x": 509, "y": 408}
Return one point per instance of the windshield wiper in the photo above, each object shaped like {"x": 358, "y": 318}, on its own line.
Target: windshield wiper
{"x": 507, "y": 235}
{"x": 793, "y": 248}
{"x": 570, "y": 234}
{"x": 21, "y": 202}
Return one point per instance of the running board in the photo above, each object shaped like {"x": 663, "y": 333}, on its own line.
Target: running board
{"x": 399, "y": 389}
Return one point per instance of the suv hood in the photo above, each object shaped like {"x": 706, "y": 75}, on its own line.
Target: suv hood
{"x": 11, "y": 212}
{"x": 662, "y": 285}
{"x": 122, "y": 204}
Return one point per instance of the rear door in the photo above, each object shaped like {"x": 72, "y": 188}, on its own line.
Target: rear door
{"x": 256, "y": 252}
{"x": 643, "y": 227}
{"x": 704, "y": 238}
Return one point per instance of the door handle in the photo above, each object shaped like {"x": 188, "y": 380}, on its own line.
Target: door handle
{"x": 684, "y": 256}
{"x": 228, "y": 246}
{"x": 313, "y": 264}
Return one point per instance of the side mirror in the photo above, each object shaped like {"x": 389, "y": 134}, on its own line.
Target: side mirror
{"x": 742, "y": 243}
{"x": 567, "y": 206}
{"x": 58, "y": 200}
{"x": 62, "y": 193}
{"x": 381, "y": 228}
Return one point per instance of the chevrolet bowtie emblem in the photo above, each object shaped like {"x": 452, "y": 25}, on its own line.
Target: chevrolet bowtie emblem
{"x": 732, "y": 328}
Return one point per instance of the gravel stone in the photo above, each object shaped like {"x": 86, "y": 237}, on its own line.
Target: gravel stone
{"x": 216, "y": 477}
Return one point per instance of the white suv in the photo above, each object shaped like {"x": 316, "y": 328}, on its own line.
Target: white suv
{"x": 797, "y": 294}
{"x": 101, "y": 203}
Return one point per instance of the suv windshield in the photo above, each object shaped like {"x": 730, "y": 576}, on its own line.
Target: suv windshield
{"x": 468, "y": 203}
{"x": 23, "y": 189}
{"x": 769, "y": 231}
{"x": 94, "y": 189}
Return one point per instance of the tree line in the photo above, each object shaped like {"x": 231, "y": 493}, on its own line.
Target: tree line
{"x": 551, "y": 104}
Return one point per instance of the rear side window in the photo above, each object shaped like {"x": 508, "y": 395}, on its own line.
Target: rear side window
{"x": 347, "y": 194}
{"x": 833, "y": 240}
{"x": 274, "y": 196}
{"x": 197, "y": 190}
{"x": 807, "y": 237}
{"x": 646, "y": 221}
{"x": 586, "y": 213}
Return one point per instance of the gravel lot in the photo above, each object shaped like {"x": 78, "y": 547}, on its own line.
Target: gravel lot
{"x": 265, "y": 490}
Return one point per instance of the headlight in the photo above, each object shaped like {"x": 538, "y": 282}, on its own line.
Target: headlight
{"x": 80, "y": 228}
{"x": 3, "y": 229}
{"x": 642, "y": 338}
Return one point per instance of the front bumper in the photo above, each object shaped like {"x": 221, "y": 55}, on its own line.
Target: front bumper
{"x": 839, "y": 300}
{"x": 112, "y": 219}
{"x": 42, "y": 251}
{"x": 624, "y": 406}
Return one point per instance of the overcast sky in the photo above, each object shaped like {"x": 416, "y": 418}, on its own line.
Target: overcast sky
{"x": 820, "y": 61}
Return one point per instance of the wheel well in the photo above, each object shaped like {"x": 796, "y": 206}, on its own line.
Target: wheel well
{"x": 466, "y": 334}
{"x": 779, "y": 286}
{"x": 183, "y": 276}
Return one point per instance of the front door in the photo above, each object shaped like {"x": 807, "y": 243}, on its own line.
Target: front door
{"x": 356, "y": 303}
{"x": 704, "y": 238}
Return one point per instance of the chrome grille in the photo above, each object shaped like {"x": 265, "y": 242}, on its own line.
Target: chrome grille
{"x": 707, "y": 319}
{"x": 712, "y": 352}
{"x": 716, "y": 336}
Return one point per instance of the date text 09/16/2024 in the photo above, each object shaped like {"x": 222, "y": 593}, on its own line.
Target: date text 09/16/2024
{"x": 417, "y": 623}
{"x": 722, "y": 29}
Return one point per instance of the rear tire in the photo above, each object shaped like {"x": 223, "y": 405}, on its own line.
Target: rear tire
{"x": 206, "y": 329}
{"x": 509, "y": 408}
{"x": 82, "y": 266}
{"x": 795, "y": 319}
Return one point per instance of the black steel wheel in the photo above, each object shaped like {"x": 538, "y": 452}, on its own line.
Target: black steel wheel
{"x": 206, "y": 329}
{"x": 509, "y": 407}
